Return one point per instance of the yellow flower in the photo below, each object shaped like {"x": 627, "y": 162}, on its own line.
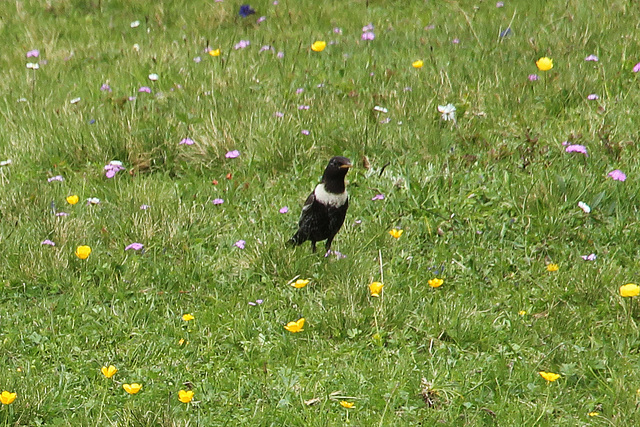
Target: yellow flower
{"x": 435, "y": 283}
{"x": 72, "y": 200}
{"x": 522, "y": 312}
{"x": 630, "y": 290}
{"x": 544, "y": 64}
{"x": 594, "y": 414}
{"x": 417, "y": 64}
{"x": 318, "y": 46}
{"x": 346, "y": 404}
{"x": 185, "y": 396}
{"x": 549, "y": 376}
{"x": 7, "y": 398}
{"x": 132, "y": 388}
{"x": 109, "y": 371}
{"x": 553, "y": 267}
{"x": 396, "y": 233}
{"x": 375, "y": 288}
{"x": 181, "y": 341}
{"x": 215, "y": 52}
{"x": 300, "y": 283}
{"x": 295, "y": 326}
{"x": 83, "y": 252}
{"x": 187, "y": 317}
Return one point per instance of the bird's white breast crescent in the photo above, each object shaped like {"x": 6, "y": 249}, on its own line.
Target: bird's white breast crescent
{"x": 331, "y": 199}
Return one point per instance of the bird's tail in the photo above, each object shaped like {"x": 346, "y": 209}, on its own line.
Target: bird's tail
{"x": 296, "y": 240}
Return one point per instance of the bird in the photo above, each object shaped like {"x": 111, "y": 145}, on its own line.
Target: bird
{"x": 324, "y": 210}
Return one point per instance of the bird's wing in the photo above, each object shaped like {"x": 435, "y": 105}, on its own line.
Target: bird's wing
{"x": 309, "y": 202}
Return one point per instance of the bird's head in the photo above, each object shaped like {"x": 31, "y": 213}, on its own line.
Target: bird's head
{"x": 337, "y": 168}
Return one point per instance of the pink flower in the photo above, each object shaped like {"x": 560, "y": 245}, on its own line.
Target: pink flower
{"x": 144, "y": 207}
{"x": 378, "y": 197}
{"x": 592, "y": 97}
{"x": 112, "y": 168}
{"x": 232, "y": 154}
{"x": 261, "y": 19}
{"x": 591, "y": 58}
{"x": 186, "y": 141}
{"x": 105, "y": 88}
{"x": 197, "y": 59}
{"x": 55, "y": 178}
{"x": 367, "y": 28}
{"x": 337, "y": 30}
{"x": 145, "y": 89}
{"x": 299, "y": 91}
{"x": 369, "y": 35}
{"x": 47, "y": 242}
{"x": 284, "y": 210}
{"x": 240, "y": 244}
{"x": 62, "y": 214}
{"x": 33, "y": 53}
{"x": 242, "y": 44}
{"x": 617, "y": 175}
{"x": 533, "y": 77}
{"x": 576, "y": 148}
{"x": 217, "y": 201}
{"x": 590, "y": 257}
{"x": 280, "y": 55}
{"x": 500, "y": 4}
{"x": 134, "y": 246}
{"x": 303, "y": 107}
{"x": 305, "y": 132}
{"x": 278, "y": 114}
{"x": 455, "y": 41}
{"x": 265, "y": 47}
{"x": 636, "y": 68}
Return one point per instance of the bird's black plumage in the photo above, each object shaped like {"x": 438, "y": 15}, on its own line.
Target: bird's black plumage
{"x": 326, "y": 207}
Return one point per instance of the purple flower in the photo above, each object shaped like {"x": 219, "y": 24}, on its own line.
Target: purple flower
{"x": 636, "y": 68}
{"x": 217, "y": 201}
{"x": 145, "y": 89}
{"x": 533, "y": 77}
{"x": 242, "y": 44}
{"x": 280, "y": 55}
{"x": 232, "y": 154}
{"x": 455, "y": 41}
{"x": 261, "y": 19}
{"x": 259, "y": 301}
{"x": 505, "y": 33}
{"x": 134, "y": 246}
{"x": 47, "y": 242}
{"x": 591, "y": 257}
{"x": 303, "y": 107}
{"x": 591, "y": 58}
{"x": 576, "y": 148}
{"x": 500, "y": 4}
{"x": 278, "y": 114}
{"x": 592, "y": 97}
{"x": 62, "y": 214}
{"x": 112, "y": 168}
{"x": 305, "y": 132}
{"x": 186, "y": 141}
{"x": 367, "y": 28}
{"x": 240, "y": 244}
{"x": 337, "y": 30}
{"x": 378, "y": 197}
{"x": 55, "y": 178}
{"x": 284, "y": 210}
{"x": 299, "y": 91}
{"x": 617, "y": 175}
{"x": 265, "y": 47}
{"x": 144, "y": 207}
{"x": 33, "y": 53}
{"x": 369, "y": 35}
{"x": 197, "y": 59}
{"x": 105, "y": 87}
{"x": 246, "y": 10}
{"x": 132, "y": 98}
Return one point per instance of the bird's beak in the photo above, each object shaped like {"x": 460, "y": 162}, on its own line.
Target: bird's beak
{"x": 346, "y": 166}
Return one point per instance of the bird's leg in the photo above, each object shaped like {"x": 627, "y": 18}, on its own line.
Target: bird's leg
{"x": 327, "y": 246}
{"x": 313, "y": 246}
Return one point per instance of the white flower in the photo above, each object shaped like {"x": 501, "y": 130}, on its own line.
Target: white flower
{"x": 585, "y": 207}
{"x": 33, "y": 66}
{"x": 93, "y": 201}
{"x": 136, "y": 47}
{"x": 380, "y": 109}
{"x": 6, "y": 162}
{"x": 153, "y": 77}
{"x": 134, "y": 24}
{"x": 448, "y": 112}
{"x": 75, "y": 100}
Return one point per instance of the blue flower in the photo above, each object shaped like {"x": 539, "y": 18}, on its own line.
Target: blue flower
{"x": 246, "y": 10}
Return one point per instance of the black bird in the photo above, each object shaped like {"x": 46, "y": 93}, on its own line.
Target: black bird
{"x": 326, "y": 207}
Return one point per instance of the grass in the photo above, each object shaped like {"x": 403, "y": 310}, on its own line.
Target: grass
{"x": 485, "y": 204}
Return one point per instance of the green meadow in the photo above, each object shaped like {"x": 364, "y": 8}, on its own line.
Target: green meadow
{"x": 220, "y": 141}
